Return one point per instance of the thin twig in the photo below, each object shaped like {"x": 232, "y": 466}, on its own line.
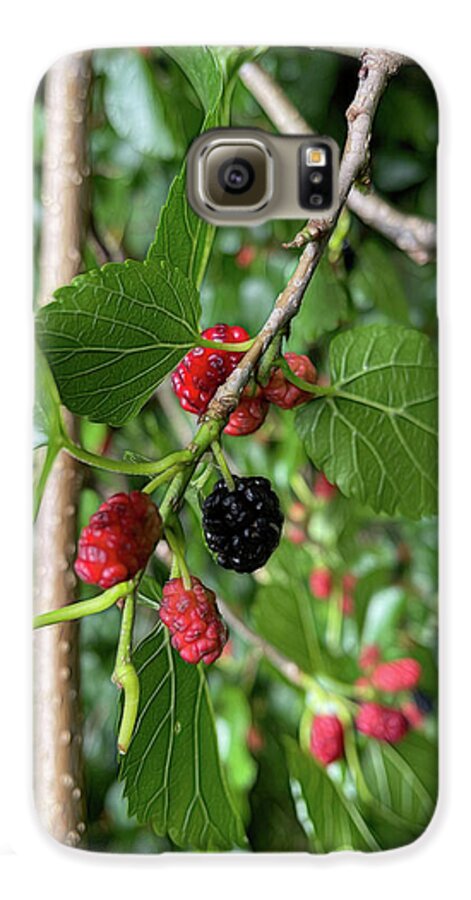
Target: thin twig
{"x": 376, "y": 69}
{"x": 288, "y": 669}
{"x": 412, "y": 234}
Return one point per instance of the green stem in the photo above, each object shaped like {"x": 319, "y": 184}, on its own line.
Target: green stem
{"x": 178, "y": 557}
{"x": 207, "y": 433}
{"x": 125, "y": 676}
{"x": 125, "y": 467}
{"x": 268, "y": 360}
{"x": 160, "y": 479}
{"x": 300, "y": 383}
{"x": 85, "y": 607}
{"x": 334, "y": 623}
{"x": 222, "y": 463}
{"x": 231, "y": 348}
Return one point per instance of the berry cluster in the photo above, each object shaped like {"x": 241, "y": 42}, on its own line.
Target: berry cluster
{"x": 118, "y": 540}
{"x": 373, "y": 719}
{"x": 200, "y": 373}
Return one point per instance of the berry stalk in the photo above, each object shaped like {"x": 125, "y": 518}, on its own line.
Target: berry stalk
{"x": 222, "y": 464}
{"x": 125, "y": 675}
{"x": 86, "y": 607}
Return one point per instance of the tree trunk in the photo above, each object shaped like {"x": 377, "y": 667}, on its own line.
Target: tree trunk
{"x": 58, "y": 768}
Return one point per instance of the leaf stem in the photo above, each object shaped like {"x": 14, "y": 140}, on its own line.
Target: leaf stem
{"x": 126, "y": 467}
{"x": 125, "y": 676}
{"x": 230, "y": 348}
{"x": 300, "y": 383}
{"x": 85, "y": 607}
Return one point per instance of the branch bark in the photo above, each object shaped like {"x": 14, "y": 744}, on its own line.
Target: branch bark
{"x": 412, "y": 234}
{"x": 289, "y": 669}
{"x": 58, "y": 776}
{"x": 377, "y": 67}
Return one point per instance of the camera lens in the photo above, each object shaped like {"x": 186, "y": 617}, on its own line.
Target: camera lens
{"x": 316, "y": 177}
{"x": 316, "y": 200}
{"x": 236, "y": 175}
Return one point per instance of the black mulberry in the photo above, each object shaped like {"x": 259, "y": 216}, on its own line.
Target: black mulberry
{"x": 242, "y": 527}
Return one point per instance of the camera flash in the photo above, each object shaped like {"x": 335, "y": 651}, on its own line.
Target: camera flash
{"x": 316, "y": 156}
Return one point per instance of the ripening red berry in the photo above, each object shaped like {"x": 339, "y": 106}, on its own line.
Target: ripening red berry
{"x": 349, "y": 582}
{"x": 398, "y": 675}
{"x": 297, "y": 512}
{"x": 348, "y": 604}
{"x": 381, "y": 722}
{"x": 245, "y": 257}
{"x": 281, "y": 392}
{"x": 249, "y": 415}
{"x": 326, "y": 742}
{"x": 118, "y": 540}
{"x": 194, "y": 621}
{"x": 323, "y": 489}
{"x": 255, "y": 739}
{"x": 413, "y": 714}
{"x": 295, "y": 535}
{"x": 369, "y": 657}
{"x": 320, "y": 582}
{"x": 200, "y": 373}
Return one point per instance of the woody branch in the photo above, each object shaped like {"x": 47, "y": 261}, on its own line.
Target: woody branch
{"x": 411, "y": 234}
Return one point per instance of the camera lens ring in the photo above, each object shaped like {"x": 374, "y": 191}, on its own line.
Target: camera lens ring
{"x": 316, "y": 200}
{"x": 236, "y": 175}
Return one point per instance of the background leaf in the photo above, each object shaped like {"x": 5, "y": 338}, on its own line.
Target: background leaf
{"x": 403, "y": 778}
{"x": 324, "y": 308}
{"x": 375, "y": 282}
{"x": 284, "y": 609}
{"x": 376, "y": 437}
{"x": 172, "y": 773}
{"x": 331, "y": 820}
{"x": 203, "y": 70}
{"x": 114, "y": 334}
{"x": 134, "y": 105}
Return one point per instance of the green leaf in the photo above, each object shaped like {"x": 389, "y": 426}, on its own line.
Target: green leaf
{"x": 114, "y": 334}
{"x": 385, "y": 610}
{"x": 134, "y": 105}
{"x": 324, "y": 308}
{"x": 234, "y": 719}
{"x": 47, "y": 425}
{"x": 284, "y": 609}
{"x": 172, "y": 771}
{"x": 403, "y": 778}
{"x": 331, "y": 821}
{"x": 182, "y": 239}
{"x": 376, "y": 282}
{"x": 47, "y": 418}
{"x": 203, "y": 70}
{"x": 375, "y": 435}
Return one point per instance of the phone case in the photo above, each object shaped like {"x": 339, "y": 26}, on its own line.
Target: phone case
{"x": 235, "y": 492}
